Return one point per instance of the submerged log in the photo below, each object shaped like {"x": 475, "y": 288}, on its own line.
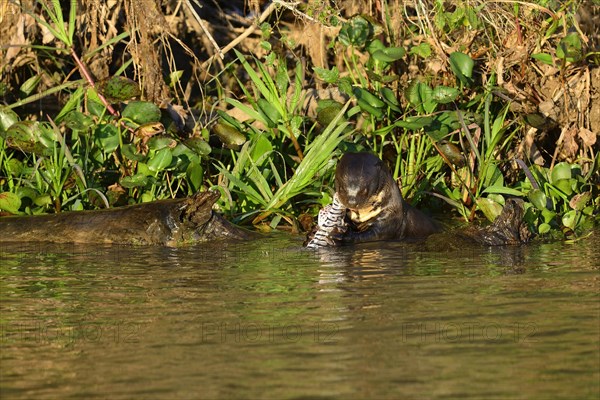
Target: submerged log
{"x": 170, "y": 223}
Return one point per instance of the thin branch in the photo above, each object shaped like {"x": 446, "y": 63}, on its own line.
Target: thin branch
{"x": 243, "y": 35}
{"x": 205, "y": 29}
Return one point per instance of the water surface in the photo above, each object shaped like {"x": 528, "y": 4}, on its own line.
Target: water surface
{"x": 268, "y": 319}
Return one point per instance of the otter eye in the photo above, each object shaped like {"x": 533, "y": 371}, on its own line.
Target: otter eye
{"x": 362, "y": 192}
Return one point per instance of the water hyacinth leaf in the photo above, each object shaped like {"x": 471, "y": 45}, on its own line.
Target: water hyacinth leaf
{"x": 120, "y": 88}
{"x": 389, "y": 54}
{"x": 560, "y": 171}
{"x": 77, "y": 121}
{"x": 543, "y": 228}
{"x": 194, "y": 175}
{"x": 565, "y": 186}
{"x": 547, "y": 215}
{"x": 142, "y": 112}
{"x": 142, "y": 168}
{"x": 490, "y": 208}
{"x": 198, "y": 145}
{"x": 137, "y": 180}
{"x": 462, "y": 66}
{"x": 130, "y": 152}
{"x": 161, "y": 160}
{"x": 569, "y": 219}
{"x": 7, "y": 118}
{"x": 229, "y": 135}
{"x": 10, "y": 202}
{"x": 537, "y": 198}
{"x": 579, "y": 201}
{"x": 444, "y": 94}
{"x": 161, "y": 142}
{"x": 107, "y": 136}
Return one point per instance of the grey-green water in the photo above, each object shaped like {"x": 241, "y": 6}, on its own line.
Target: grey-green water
{"x": 268, "y": 319}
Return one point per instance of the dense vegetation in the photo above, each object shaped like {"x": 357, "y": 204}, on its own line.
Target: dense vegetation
{"x": 468, "y": 102}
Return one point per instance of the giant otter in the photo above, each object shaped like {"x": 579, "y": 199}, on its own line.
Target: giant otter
{"x": 376, "y": 209}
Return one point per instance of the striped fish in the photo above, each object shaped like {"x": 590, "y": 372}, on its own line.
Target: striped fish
{"x": 330, "y": 218}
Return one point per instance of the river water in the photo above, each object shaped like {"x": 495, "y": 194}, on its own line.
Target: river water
{"x": 269, "y": 319}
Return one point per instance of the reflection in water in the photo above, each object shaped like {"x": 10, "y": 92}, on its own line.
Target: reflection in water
{"x": 270, "y": 319}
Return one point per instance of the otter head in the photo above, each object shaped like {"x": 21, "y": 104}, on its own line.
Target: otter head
{"x": 360, "y": 183}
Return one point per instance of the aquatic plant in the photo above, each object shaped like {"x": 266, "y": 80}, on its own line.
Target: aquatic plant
{"x": 440, "y": 91}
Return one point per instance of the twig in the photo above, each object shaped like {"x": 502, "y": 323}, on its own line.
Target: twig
{"x": 243, "y": 35}
{"x": 88, "y": 77}
{"x": 204, "y": 28}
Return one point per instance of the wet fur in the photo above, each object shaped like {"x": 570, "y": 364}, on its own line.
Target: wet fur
{"x": 377, "y": 210}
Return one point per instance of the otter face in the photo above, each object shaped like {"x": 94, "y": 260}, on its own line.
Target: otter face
{"x": 360, "y": 179}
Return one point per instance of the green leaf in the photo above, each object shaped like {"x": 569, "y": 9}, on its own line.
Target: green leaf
{"x": 198, "y": 145}
{"x": 229, "y": 135}
{"x": 501, "y": 189}
{"x": 10, "y": 202}
{"x": 7, "y": 118}
{"x": 327, "y": 114}
{"x": 389, "y": 54}
{"x": 130, "y": 152}
{"x": 444, "y": 94}
{"x": 268, "y": 110}
{"x": 569, "y": 48}
{"x": 420, "y": 95}
{"x": 161, "y": 160}
{"x": 422, "y": 50}
{"x": 543, "y": 57}
{"x": 537, "y": 198}
{"x": 569, "y": 219}
{"x": 330, "y": 76}
{"x": 560, "y": 171}
{"x": 25, "y": 136}
{"x": 120, "y": 88}
{"x": 490, "y": 208}
{"x": 565, "y": 186}
{"x": 142, "y": 112}
{"x": 462, "y": 66}
{"x": 108, "y": 137}
{"x": 194, "y": 175}
{"x": 543, "y": 228}
{"x": 29, "y": 85}
{"x": 137, "y": 180}
{"x": 78, "y": 121}
{"x": 356, "y": 32}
